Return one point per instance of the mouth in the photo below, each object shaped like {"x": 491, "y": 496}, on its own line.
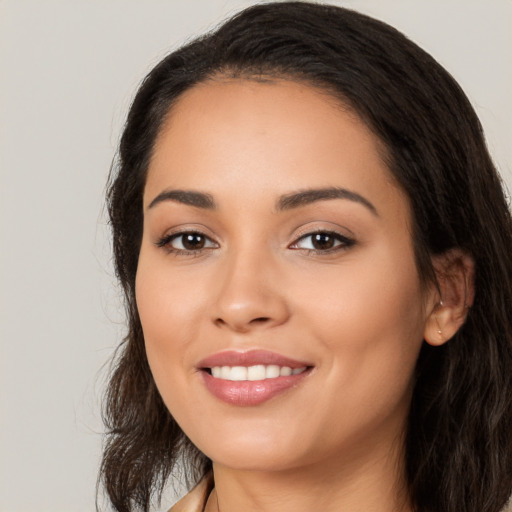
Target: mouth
{"x": 251, "y": 378}
{"x": 253, "y": 373}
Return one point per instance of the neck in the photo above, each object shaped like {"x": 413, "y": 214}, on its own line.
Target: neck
{"x": 356, "y": 484}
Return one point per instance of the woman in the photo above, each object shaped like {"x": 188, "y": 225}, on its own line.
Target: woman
{"x": 314, "y": 248}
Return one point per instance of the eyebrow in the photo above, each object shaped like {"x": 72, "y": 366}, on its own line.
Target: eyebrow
{"x": 188, "y": 197}
{"x": 285, "y": 202}
{"x": 309, "y": 196}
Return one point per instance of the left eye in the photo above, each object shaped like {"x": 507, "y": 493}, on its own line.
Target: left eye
{"x": 189, "y": 241}
{"x": 322, "y": 241}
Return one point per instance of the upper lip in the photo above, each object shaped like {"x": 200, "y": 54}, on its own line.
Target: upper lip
{"x": 249, "y": 358}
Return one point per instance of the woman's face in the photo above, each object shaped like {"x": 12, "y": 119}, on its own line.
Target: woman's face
{"x": 277, "y": 288}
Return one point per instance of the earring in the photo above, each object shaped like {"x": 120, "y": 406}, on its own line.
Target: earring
{"x": 439, "y": 331}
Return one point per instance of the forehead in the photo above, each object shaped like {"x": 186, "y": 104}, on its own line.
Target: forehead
{"x": 270, "y": 136}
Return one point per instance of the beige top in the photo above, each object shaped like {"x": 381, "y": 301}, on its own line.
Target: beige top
{"x": 197, "y": 499}
{"x": 202, "y": 499}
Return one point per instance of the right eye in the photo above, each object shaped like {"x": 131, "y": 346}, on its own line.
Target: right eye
{"x": 186, "y": 242}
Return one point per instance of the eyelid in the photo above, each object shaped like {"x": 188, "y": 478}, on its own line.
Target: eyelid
{"x": 184, "y": 228}
{"x": 323, "y": 226}
{"x": 174, "y": 236}
{"x": 345, "y": 241}
{"x": 165, "y": 240}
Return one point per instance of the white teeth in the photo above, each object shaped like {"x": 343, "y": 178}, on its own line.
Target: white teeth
{"x": 272, "y": 371}
{"x": 256, "y": 372}
{"x": 225, "y": 372}
{"x": 238, "y": 373}
{"x": 285, "y": 371}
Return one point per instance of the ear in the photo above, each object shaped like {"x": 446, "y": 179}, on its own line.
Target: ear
{"x": 449, "y": 304}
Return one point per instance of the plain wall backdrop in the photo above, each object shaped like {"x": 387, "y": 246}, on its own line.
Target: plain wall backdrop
{"x": 68, "y": 71}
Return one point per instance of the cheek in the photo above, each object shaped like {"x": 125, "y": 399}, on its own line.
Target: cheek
{"x": 168, "y": 314}
{"x": 168, "y": 301}
{"x": 167, "y": 311}
{"x": 370, "y": 318}
{"x": 382, "y": 290}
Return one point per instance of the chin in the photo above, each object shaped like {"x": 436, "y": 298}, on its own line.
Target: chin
{"x": 252, "y": 451}
{"x": 256, "y": 460}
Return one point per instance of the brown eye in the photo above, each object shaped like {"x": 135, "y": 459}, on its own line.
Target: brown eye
{"x": 323, "y": 241}
{"x": 187, "y": 242}
{"x": 192, "y": 241}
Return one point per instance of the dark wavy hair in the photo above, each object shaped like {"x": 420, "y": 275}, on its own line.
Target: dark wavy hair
{"x": 459, "y": 435}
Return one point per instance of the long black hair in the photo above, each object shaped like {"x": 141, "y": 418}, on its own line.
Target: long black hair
{"x": 459, "y": 434}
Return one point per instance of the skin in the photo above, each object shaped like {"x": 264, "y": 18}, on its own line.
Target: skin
{"x": 358, "y": 313}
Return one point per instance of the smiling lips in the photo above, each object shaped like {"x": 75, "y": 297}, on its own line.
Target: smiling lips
{"x": 250, "y": 378}
{"x": 256, "y": 372}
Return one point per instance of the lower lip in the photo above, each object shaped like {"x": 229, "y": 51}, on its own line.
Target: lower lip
{"x": 246, "y": 392}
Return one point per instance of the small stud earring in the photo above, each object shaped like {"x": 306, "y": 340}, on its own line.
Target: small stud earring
{"x": 439, "y": 331}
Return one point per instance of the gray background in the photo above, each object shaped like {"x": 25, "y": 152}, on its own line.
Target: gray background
{"x": 68, "y": 70}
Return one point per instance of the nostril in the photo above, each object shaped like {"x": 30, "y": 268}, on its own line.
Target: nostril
{"x": 260, "y": 319}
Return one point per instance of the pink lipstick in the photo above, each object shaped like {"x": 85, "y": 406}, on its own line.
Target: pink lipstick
{"x": 251, "y": 378}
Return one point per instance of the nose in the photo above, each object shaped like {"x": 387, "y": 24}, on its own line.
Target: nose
{"x": 250, "y": 296}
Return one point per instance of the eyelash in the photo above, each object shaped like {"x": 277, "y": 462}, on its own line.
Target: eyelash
{"x": 166, "y": 241}
{"x": 344, "y": 243}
